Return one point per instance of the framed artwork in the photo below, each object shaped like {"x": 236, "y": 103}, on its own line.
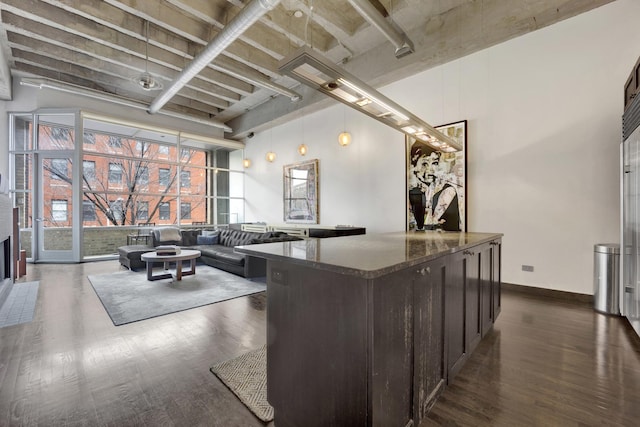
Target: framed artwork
{"x": 301, "y": 192}
{"x": 436, "y": 183}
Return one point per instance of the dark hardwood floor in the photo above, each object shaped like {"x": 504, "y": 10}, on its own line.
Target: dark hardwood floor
{"x": 546, "y": 362}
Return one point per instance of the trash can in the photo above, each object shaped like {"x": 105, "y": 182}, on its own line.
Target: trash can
{"x": 606, "y": 278}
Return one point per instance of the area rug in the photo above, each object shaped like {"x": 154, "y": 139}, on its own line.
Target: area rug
{"x": 246, "y": 377}
{"x": 128, "y": 296}
{"x": 20, "y": 304}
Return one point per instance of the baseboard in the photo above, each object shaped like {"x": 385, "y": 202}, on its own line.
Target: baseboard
{"x": 550, "y": 293}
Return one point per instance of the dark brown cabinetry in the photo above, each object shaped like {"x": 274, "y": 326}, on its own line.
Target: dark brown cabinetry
{"x": 496, "y": 277}
{"x": 429, "y": 363}
{"x": 485, "y": 253}
{"x": 456, "y": 313}
{"x": 345, "y": 348}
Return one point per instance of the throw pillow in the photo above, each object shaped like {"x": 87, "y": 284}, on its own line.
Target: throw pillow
{"x": 208, "y": 240}
{"x": 169, "y": 234}
{"x": 210, "y": 232}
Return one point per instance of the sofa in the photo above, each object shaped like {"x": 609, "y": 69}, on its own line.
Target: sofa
{"x": 215, "y": 246}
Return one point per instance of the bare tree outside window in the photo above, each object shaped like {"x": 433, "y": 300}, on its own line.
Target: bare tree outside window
{"x": 136, "y": 183}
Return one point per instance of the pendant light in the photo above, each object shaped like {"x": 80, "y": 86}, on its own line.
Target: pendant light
{"x": 344, "y": 138}
{"x": 145, "y": 80}
{"x": 246, "y": 163}
{"x": 271, "y": 156}
{"x": 302, "y": 148}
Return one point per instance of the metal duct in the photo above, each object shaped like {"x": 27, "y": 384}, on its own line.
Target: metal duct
{"x": 115, "y": 99}
{"x": 238, "y": 25}
{"x": 403, "y": 45}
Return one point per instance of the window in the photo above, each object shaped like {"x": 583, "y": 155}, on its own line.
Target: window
{"x": 59, "y": 210}
{"x": 115, "y": 141}
{"x": 59, "y": 169}
{"x": 143, "y": 176}
{"x": 185, "y": 179}
{"x": 115, "y": 173}
{"x": 165, "y": 210}
{"x": 184, "y": 153}
{"x": 163, "y": 149}
{"x": 88, "y": 211}
{"x": 60, "y": 134}
{"x": 117, "y": 210}
{"x": 142, "y": 211}
{"x": 89, "y": 138}
{"x": 142, "y": 146}
{"x": 163, "y": 179}
{"x": 185, "y": 210}
{"x": 89, "y": 170}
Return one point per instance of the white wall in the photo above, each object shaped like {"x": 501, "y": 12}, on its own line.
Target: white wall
{"x": 358, "y": 183}
{"x": 544, "y": 113}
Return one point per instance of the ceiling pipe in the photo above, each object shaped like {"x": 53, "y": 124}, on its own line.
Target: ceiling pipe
{"x": 403, "y": 45}
{"x": 238, "y": 25}
{"x": 115, "y": 99}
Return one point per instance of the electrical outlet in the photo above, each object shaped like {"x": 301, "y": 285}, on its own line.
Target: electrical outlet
{"x": 528, "y": 268}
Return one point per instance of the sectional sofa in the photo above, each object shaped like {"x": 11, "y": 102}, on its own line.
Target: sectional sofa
{"x": 216, "y": 247}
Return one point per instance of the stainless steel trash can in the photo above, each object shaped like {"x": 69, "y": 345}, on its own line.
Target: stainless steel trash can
{"x": 606, "y": 278}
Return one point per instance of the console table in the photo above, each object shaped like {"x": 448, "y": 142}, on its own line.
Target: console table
{"x": 368, "y": 330}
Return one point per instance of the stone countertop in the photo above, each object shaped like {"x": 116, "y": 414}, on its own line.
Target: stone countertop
{"x": 369, "y": 255}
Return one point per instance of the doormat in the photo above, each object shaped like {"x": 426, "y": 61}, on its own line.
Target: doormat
{"x": 246, "y": 377}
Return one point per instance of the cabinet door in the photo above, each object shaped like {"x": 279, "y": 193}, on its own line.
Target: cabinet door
{"x": 485, "y": 253}
{"x": 472, "y": 298}
{"x": 496, "y": 278}
{"x": 317, "y": 358}
{"x": 391, "y": 358}
{"x": 429, "y": 335}
{"x": 455, "y": 314}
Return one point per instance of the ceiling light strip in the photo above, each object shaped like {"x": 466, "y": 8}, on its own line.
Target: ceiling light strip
{"x": 317, "y": 72}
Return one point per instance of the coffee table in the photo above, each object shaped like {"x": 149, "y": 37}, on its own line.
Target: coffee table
{"x": 185, "y": 255}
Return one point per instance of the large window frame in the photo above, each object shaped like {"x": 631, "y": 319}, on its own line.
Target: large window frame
{"x": 190, "y": 183}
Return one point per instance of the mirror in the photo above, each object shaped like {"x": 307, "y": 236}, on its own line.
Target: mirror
{"x": 301, "y": 192}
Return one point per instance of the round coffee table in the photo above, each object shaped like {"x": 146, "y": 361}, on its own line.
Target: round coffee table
{"x": 185, "y": 255}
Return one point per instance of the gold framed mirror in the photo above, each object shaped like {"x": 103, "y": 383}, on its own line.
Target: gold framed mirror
{"x": 301, "y": 193}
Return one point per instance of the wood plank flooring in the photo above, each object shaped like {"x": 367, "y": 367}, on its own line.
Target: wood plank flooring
{"x": 546, "y": 362}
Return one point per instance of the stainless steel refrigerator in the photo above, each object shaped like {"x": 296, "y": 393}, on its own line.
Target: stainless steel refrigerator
{"x": 630, "y": 248}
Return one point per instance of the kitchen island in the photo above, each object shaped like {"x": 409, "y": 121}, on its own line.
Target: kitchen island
{"x": 368, "y": 330}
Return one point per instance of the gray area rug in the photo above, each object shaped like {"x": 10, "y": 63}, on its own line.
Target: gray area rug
{"x": 246, "y": 377}
{"x": 20, "y": 304}
{"x": 128, "y": 296}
